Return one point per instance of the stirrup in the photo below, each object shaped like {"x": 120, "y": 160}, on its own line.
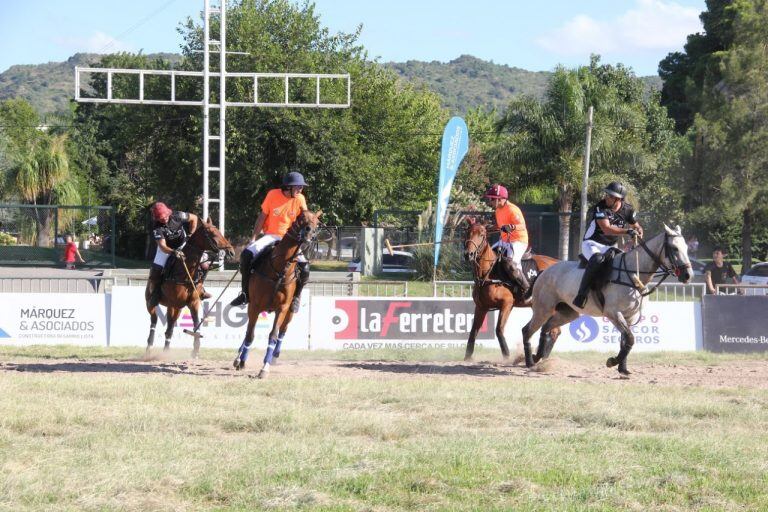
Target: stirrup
{"x": 240, "y": 300}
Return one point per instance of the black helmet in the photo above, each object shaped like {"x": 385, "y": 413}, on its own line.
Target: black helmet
{"x": 294, "y": 179}
{"x": 616, "y": 189}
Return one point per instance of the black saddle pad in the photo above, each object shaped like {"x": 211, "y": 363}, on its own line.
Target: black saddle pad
{"x": 530, "y": 270}
{"x": 264, "y": 255}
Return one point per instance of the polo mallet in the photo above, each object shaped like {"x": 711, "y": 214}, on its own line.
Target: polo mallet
{"x": 390, "y": 247}
{"x": 636, "y": 277}
{"x": 202, "y": 319}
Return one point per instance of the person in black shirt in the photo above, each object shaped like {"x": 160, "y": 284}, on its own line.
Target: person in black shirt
{"x": 611, "y": 218}
{"x": 717, "y": 271}
{"x": 170, "y": 234}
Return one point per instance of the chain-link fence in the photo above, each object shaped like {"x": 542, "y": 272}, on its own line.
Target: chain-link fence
{"x": 35, "y": 235}
{"x": 340, "y": 243}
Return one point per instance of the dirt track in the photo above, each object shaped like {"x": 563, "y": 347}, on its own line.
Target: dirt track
{"x": 749, "y": 374}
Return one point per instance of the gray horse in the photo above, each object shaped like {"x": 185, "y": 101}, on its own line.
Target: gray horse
{"x": 556, "y": 287}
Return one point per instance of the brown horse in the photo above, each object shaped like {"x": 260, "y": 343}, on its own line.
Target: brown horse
{"x": 177, "y": 291}
{"x": 489, "y": 292}
{"x": 271, "y": 287}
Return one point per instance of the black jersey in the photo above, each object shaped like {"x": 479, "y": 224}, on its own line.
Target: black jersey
{"x": 623, "y": 217}
{"x": 172, "y": 232}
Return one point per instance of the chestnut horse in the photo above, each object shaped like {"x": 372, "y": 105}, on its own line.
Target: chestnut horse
{"x": 271, "y": 287}
{"x": 177, "y": 291}
{"x": 490, "y": 292}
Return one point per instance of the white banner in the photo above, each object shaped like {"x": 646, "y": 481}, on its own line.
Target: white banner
{"x": 224, "y": 326}
{"x": 349, "y": 323}
{"x": 664, "y": 326}
{"x": 53, "y": 319}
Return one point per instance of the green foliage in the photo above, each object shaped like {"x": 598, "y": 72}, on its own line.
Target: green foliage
{"x": 730, "y": 131}
{"x": 7, "y": 239}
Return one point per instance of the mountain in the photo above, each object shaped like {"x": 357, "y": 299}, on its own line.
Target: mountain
{"x": 463, "y": 83}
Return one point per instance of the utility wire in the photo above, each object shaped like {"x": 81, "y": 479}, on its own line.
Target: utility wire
{"x": 136, "y": 25}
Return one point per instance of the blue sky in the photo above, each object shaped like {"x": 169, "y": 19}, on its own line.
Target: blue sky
{"x": 534, "y": 35}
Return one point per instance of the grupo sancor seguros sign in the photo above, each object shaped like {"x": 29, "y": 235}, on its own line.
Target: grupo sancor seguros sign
{"x": 371, "y": 323}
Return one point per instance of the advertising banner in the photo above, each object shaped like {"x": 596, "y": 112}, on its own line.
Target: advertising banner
{"x": 734, "y": 323}
{"x": 224, "y": 326}
{"x": 664, "y": 326}
{"x": 347, "y": 323}
{"x": 342, "y": 323}
{"x": 455, "y": 147}
{"x": 53, "y": 319}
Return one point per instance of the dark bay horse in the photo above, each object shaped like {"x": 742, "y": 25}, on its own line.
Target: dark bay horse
{"x": 490, "y": 293}
{"x": 271, "y": 287}
{"x": 177, "y": 291}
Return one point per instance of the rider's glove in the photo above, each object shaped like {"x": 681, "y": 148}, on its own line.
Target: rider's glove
{"x": 179, "y": 254}
{"x": 507, "y": 228}
{"x": 632, "y": 232}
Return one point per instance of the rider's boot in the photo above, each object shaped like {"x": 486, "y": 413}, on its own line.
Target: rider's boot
{"x": 246, "y": 258}
{"x": 302, "y": 279}
{"x": 154, "y": 283}
{"x": 205, "y": 294}
{"x": 593, "y": 267}
{"x": 516, "y": 272}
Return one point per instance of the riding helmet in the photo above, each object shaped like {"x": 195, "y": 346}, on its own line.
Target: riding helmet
{"x": 496, "y": 192}
{"x": 616, "y": 189}
{"x": 294, "y": 179}
{"x": 160, "y": 210}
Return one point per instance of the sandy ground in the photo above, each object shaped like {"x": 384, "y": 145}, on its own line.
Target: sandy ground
{"x": 747, "y": 374}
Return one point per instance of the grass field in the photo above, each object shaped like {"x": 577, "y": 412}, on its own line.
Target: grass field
{"x": 77, "y": 436}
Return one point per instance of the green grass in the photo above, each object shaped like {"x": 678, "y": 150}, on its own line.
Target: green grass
{"x": 80, "y": 441}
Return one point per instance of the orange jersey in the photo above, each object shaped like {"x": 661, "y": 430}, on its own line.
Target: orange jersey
{"x": 511, "y": 214}
{"x": 281, "y": 211}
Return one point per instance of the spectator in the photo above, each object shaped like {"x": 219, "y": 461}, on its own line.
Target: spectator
{"x": 70, "y": 251}
{"x": 693, "y": 246}
{"x": 718, "y": 270}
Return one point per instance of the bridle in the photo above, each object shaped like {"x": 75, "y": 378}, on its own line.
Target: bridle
{"x": 661, "y": 268}
{"x": 477, "y": 260}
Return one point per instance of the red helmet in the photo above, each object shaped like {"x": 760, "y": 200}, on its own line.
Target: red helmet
{"x": 160, "y": 211}
{"x": 496, "y": 192}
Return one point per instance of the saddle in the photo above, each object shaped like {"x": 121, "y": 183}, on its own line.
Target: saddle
{"x": 530, "y": 270}
{"x": 603, "y": 276}
{"x": 265, "y": 255}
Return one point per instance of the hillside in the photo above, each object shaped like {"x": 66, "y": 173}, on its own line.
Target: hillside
{"x": 463, "y": 83}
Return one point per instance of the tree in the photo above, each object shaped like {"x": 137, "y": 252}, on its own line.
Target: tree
{"x": 684, "y": 72}
{"x": 381, "y": 153}
{"x": 731, "y": 129}
{"x": 632, "y": 138}
{"x": 39, "y": 171}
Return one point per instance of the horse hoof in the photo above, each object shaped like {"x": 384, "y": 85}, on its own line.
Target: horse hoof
{"x": 195, "y": 355}
{"x": 536, "y": 358}
{"x": 237, "y": 364}
{"x": 469, "y": 359}
{"x": 611, "y": 362}
{"x": 263, "y": 374}
{"x": 624, "y": 372}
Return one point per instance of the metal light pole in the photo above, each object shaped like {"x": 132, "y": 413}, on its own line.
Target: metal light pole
{"x": 213, "y": 46}
{"x": 585, "y": 178}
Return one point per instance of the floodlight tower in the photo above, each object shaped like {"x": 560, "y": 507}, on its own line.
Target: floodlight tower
{"x": 216, "y": 47}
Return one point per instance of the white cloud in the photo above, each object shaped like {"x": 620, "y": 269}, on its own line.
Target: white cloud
{"x": 98, "y": 42}
{"x": 651, "y": 25}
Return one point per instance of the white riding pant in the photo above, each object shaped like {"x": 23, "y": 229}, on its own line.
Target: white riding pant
{"x": 512, "y": 250}
{"x": 161, "y": 257}
{"x": 589, "y": 248}
{"x": 258, "y": 245}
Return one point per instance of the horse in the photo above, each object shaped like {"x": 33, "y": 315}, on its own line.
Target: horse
{"x": 621, "y": 299}
{"x": 489, "y": 292}
{"x": 271, "y": 287}
{"x": 177, "y": 291}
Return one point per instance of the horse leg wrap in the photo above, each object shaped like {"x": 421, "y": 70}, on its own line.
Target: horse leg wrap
{"x": 242, "y": 353}
{"x": 270, "y": 351}
{"x": 279, "y": 345}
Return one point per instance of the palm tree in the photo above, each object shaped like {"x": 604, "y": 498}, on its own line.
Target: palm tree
{"x": 41, "y": 176}
{"x": 546, "y": 142}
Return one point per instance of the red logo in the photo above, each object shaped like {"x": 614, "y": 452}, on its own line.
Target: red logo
{"x": 345, "y": 319}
